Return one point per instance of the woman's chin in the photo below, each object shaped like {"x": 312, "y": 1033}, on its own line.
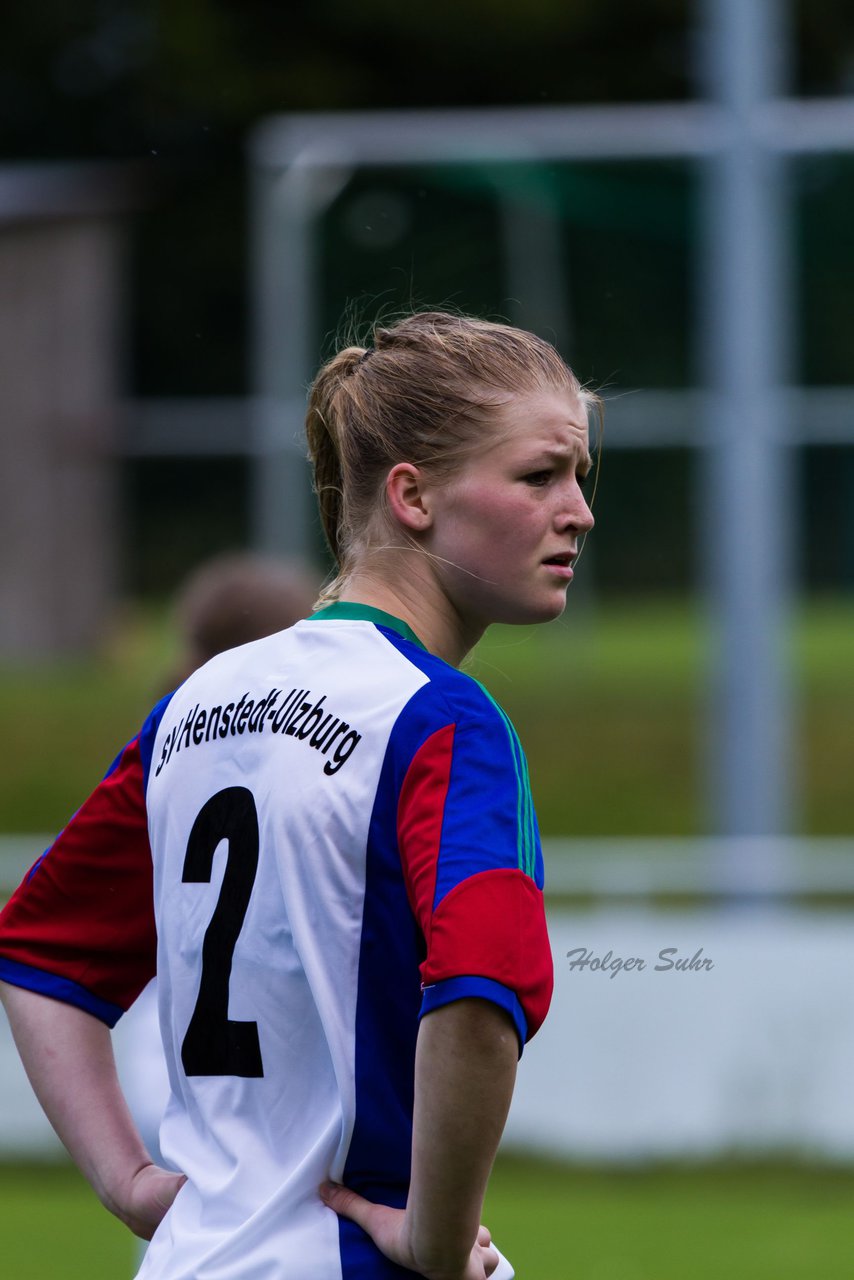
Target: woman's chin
{"x": 541, "y": 611}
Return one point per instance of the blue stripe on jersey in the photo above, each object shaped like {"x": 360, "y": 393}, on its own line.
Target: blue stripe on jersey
{"x": 489, "y": 808}
{"x": 147, "y": 734}
{"x": 451, "y": 989}
{"x": 47, "y": 984}
{"x": 387, "y": 1007}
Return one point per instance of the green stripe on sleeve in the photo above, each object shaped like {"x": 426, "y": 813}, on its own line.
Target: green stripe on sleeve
{"x": 525, "y": 822}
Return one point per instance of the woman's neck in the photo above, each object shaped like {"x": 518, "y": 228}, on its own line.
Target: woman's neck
{"x": 418, "y": 601}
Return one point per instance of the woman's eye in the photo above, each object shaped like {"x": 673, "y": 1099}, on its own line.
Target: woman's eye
{"x": 538, "y": 478}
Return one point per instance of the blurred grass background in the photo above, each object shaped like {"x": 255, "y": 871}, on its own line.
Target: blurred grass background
{"x": 609, "y": 702}
{"x": 753, "y": 1222}
{"x": 556, "y": 1222}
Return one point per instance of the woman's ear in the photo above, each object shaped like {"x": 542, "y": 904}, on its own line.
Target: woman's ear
{"x": 406, "y": 494}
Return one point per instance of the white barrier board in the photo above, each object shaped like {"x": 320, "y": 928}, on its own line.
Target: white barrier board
{"x": 752, "y": 1052}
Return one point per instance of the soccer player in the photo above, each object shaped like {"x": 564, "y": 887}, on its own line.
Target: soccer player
{"x": 325, "y": 846}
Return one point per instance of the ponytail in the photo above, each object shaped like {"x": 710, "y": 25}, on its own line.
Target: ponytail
{"x": 323, "y": 426}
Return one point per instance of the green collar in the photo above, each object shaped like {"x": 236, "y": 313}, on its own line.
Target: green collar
{"x": 353, "y": 612}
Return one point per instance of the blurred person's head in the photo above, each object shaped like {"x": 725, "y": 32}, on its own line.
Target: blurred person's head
{"x": 434, "y": 390}
{"x": 234, "y": 598}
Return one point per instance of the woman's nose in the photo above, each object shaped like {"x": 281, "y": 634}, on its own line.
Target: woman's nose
{"x": 577, "y": 514}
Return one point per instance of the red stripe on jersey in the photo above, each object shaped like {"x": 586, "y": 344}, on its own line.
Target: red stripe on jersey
{"x": 493, "y": 925}
{"x": 420, "y": 811}
{"x": 86, "y": 911}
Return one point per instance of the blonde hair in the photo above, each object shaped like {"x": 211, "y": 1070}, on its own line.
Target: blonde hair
{"x": 423, "y": 392}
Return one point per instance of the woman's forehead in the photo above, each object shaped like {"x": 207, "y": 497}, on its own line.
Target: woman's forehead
{"x": 555, "y": 421}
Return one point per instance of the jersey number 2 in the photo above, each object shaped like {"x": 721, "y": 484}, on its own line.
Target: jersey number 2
{"x": 214, "y": 1045}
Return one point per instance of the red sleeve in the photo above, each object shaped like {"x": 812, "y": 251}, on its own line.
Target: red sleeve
{"x": 491, "y": 924}
{"x": 81, "y": 925}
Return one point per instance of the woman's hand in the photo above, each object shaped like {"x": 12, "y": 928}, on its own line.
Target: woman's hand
{"x": 388, "y": 1228}
{"x": 145, "y": 1201}
{"x": 465, "y": 1065}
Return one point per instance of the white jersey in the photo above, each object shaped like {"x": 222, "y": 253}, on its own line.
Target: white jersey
{"x": 342, "y": 839}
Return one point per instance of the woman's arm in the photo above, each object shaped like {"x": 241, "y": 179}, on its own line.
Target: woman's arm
{"x": 68, "y": 1056}
{"x": 465, "y": 1069}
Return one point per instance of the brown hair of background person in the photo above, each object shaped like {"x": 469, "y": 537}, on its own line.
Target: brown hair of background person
{"x": 234, "y": 598}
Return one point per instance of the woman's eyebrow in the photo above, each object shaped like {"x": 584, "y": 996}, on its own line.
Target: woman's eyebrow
{"x": 557, "y": 453}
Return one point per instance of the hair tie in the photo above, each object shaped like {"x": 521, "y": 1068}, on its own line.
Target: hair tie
{"x": 365, "y": 354}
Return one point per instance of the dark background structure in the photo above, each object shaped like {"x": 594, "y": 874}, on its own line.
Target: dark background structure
{"x": 177, "y": 88}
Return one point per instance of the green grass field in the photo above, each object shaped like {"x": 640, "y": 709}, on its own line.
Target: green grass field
{"x": 53, "y": 1228}
{"x": 608, "y": 702}
{"x": 673, "y": 1223}
{"x": 555, "y": 1222}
